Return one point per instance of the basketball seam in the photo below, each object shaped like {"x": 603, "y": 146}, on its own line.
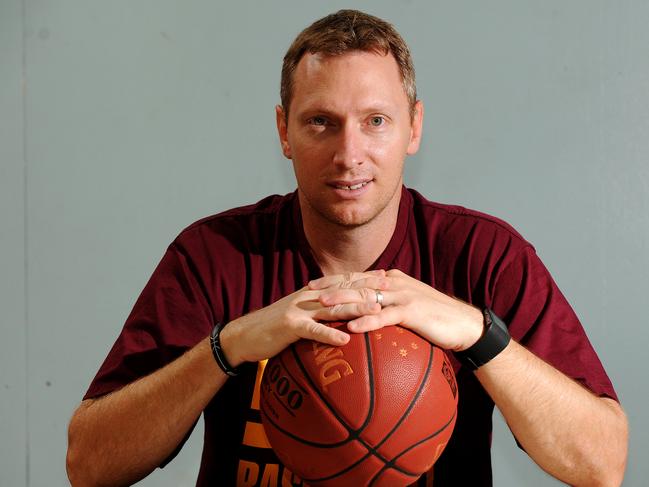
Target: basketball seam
{"x": 374, "y": 450}
{"x": 291, "y": 375}
{"x": 414, "y": 399}
{"x": 390, "y": 464}
{"x": 353, "y": 433}
{"x": 282, "y": 403}
{"x": 289, "y": 434}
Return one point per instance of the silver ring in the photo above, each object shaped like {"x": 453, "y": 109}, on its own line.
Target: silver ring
{"x": 379, "y": 297}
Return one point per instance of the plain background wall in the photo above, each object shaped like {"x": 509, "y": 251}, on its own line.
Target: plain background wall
{"x": 122, "y": 122}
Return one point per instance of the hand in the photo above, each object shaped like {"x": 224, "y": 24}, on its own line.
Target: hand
{"x": 443, "y": 320}
{"x": 266, "y": 332}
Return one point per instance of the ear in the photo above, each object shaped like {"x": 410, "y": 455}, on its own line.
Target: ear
{"x": 282, "y": 131}
{"x": 415, "y": 128}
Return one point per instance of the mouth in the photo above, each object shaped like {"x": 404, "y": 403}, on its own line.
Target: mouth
{"x": 350, "y": 185}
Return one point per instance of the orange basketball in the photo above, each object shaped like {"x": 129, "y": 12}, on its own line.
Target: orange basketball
{"x": 377, "y": 411}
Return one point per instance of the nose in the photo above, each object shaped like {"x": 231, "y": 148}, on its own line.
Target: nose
{"x": 348, "y": 151}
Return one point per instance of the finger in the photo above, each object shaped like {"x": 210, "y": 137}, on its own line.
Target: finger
{"x": 342, "y": 280}
{"x": 346, "y": 311}
{"x": 372, "y": 282}
{"x": 306, "y": 294}
{"x": 307, "y": 300}
{"x": 342, "y": 296}
{"x": 395, "y": 273}
{"x": 387, "y": 317}
{"x": 321, "y": 332}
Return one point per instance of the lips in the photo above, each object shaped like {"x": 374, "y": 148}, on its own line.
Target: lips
{"x": 350, "y": 185}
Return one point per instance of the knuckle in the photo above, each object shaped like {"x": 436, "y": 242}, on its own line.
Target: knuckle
{"x": 367, "y": 294}
{"x": 336, "y": 309}
{"x": 313, "y": 328}
{"x": 347, "y": 282}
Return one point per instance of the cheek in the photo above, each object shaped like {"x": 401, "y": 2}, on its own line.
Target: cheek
{"x": 385, "y": 152}
{"x": 309, "y": 165}
{"x": 390, "y": 149}
{"x": 311, "y": 153}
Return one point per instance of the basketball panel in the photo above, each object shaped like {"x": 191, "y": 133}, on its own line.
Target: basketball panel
{"x": 288, "y": 403}
{"x": 341, "y": 376}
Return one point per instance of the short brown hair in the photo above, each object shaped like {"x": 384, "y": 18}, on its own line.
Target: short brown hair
{"x": 344, "y": 31}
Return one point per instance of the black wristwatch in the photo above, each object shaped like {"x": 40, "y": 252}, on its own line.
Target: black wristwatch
{"x": 494, "y": 339}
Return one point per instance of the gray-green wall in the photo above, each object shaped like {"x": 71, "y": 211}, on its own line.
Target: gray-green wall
{"x": 121, "y": 122}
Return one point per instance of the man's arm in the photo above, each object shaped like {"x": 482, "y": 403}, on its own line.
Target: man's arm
{"x": 574, "y": 435}
{"x": 121, "y": 437}
{"x": 569, "y": 432}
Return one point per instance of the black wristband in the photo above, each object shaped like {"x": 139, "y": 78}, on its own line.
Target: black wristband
{"x": 494, "y": 339}
{"x": 217, "y": 351}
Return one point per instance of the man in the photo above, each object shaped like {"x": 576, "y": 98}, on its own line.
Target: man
{"x": 351, "y": 244}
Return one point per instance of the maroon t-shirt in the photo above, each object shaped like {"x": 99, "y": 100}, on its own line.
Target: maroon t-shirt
{"x": 227, "y": 265}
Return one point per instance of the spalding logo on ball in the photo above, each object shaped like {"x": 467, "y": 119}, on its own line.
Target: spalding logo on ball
{"x": 377, "y": 411}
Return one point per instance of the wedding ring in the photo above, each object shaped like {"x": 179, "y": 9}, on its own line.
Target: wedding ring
{"x": 379, "y": 297}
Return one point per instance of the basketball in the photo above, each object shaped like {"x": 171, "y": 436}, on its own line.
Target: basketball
{"x": 377, "y": 411}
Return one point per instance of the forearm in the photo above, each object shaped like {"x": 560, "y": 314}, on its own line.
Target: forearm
{"x": 121, "y": 437}
{"x": 572, "y": 434}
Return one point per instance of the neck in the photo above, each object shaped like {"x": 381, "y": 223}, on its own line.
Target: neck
{"x": 339, "y": 249}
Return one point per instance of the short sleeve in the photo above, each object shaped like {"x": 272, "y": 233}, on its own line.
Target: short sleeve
{"x": 540, "y": 318}
{"x": 171, "y": 315}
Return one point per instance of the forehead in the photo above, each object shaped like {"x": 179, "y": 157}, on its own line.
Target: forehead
{"x": 351, "y": 79}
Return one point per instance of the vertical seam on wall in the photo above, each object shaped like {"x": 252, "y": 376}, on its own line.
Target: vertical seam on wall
{"x": 25, "y": 236}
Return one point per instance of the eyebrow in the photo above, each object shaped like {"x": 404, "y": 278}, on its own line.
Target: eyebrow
{"x": 319, "y": 109}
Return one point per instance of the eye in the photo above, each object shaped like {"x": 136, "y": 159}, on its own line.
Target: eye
{"x": 377, "y": 121}
{"x": 319, "y": 121}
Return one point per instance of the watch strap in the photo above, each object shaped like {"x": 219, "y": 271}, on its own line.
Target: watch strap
{"x": 217, "y": 351}
{"x": 494, "y": 339}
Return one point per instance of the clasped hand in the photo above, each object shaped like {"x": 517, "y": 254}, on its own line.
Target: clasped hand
{"x": 443, "y": 320}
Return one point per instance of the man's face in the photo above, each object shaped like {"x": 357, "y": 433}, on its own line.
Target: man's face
{"x": 349, "y": 130}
